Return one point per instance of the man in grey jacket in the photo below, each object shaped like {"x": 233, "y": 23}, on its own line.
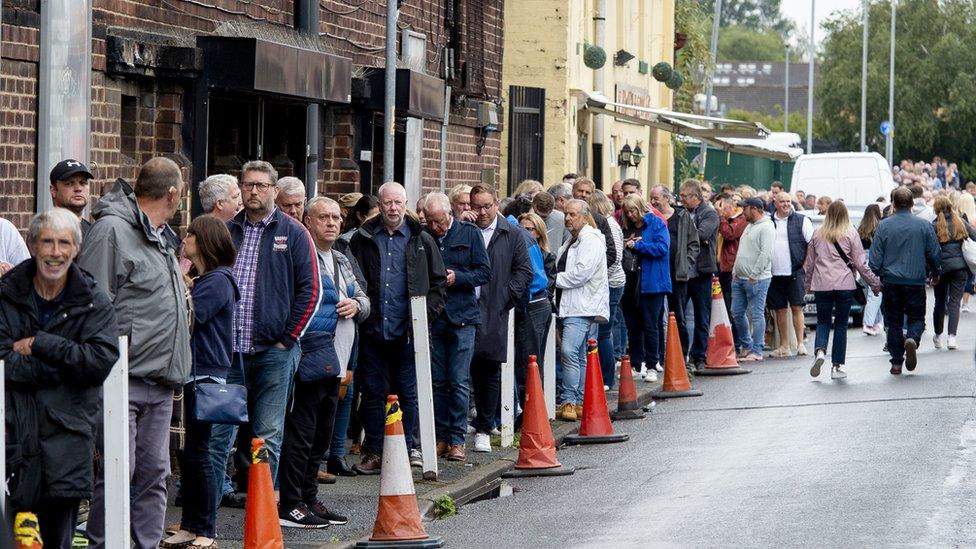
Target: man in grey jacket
{"x": 131, "y": 253}
{"x": 700, "y": 283}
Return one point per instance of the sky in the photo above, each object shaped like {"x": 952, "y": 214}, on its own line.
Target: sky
{"x": 799, "y": 11}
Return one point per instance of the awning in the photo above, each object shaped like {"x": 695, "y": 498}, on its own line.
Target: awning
{"x": 755, "y": 147}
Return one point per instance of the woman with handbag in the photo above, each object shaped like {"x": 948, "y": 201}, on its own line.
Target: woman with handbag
{"x": 632, "y": 225}
{"x": 952, "y": 232}
{"x": 215, "y": 295}
{"x": 834, "y": 257}
{"x": 873, "y": 320}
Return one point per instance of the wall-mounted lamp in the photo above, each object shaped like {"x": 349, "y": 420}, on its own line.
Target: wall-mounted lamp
{"x": 624, "y": 158}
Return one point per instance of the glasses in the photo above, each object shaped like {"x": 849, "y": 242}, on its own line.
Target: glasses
{"x": 482, "y": 207}
{"x": 251, "y": 185}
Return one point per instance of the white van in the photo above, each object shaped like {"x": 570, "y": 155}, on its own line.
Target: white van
{"x": 858, "y": 179}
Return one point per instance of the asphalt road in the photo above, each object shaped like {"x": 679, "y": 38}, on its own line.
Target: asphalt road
{"x": 774, "y": 458}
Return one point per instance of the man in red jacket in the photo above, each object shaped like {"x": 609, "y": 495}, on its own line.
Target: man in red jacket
{"x": 730, "y": 228}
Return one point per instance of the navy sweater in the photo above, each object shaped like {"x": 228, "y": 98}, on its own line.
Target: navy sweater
{"x": 215, "y": 297}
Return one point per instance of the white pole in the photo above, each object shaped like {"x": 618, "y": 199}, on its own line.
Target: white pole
{"x": 713, "y": 57}
{"x": 812, "y": 54}
{"x": 116, "y": 451}
{"x": 3, "y": 455}
{"x": 890, "y": 138}
{"x": 425, "y": 390}
{"x": 864, "y": 77}
{"x": 786, "y": 94}
{"x": 549, "y": 376}
{"x": 508, "y": 387}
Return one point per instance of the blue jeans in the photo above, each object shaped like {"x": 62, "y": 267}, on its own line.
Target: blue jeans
{"x": 619, "y": 331}
{"x": 451, "y": 349}
{"x": 386, "y": 367}
{"x": 833, "y": 310}
{"x": 222, "y": 453}
{"x": 337, "y": 448}
{"x": 605, "y": 338}
{"x": 750, "y": 297}
{"x": 576, "y": 330}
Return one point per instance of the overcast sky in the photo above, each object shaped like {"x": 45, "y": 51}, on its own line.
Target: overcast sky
{"x": 799, "y": 11}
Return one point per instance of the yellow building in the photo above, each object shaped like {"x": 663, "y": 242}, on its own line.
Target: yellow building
{"x": 547, "y": 133}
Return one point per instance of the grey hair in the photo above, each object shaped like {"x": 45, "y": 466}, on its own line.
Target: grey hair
{"x": 440, "y": 200}
{"x": 459, "y": 189}
{"x": 260, "y": 166}
{"x": 58, "y": 219}
{"x": 391, "y": 186}
{"x": 665, "y": 192}
{"x": 215, "y": 188}
{"x": 561, "y": 190}
{"x": 584, "y": 207}
{"x": 320, "y": 200}
{"x": 290, "y": 186}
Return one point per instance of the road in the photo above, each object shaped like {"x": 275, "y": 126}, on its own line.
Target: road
{"x": 774, "y": 458}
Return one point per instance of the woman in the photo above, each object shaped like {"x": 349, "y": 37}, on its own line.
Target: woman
{"x": 215, "y": 294}
{"x": 365, "y": 208}
{"x": 653, "y": 249}
{"x": 966, "y": 205}
{"x": 951, "y": 231}
{"x": 599, "y": 203}
{"x": 833, "y": 254}
{"x": 873, "y": 322}
{"x": 533, "y": 324}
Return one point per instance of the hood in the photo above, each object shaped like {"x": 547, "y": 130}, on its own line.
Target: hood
{"x": 226, "y": 272}
{"x": 121, "y": 202}
{"x": 765, "y": 219}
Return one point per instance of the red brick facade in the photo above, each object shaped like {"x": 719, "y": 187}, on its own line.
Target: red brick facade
{"x": 125, "y": 135}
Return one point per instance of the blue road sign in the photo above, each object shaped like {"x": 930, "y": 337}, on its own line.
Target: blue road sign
{"x": 887, "y": 128}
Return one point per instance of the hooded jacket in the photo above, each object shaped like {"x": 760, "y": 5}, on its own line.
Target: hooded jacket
{"x": 215, "y": 297}
{"x": 585, "y": 291}
{"x": 70, "y": 358}
{"x": 138, "y": 269}
{"x": 653, "y": 250}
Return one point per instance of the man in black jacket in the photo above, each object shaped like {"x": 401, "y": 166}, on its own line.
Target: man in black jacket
{"x": 700, "y": 283}
{"x": 59, "y": 341}
{"x": 399, "y": 261}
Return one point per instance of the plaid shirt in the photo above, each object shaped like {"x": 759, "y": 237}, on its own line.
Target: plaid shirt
{"x": 246, "y": 271}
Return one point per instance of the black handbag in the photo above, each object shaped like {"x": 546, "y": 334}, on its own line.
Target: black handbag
{"x": 860, "y": 297}
{"x": 221, "y": 403}
{"x": 319, "y": 358}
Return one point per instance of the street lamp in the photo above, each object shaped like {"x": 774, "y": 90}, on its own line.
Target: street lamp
{"x": 786, "y": 92}
{"x": 625, "y": 155}
{"x": 636, "y": 156}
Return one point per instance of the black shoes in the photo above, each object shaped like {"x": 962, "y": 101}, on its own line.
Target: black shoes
{"x": 318, "y": 509}
{"x": 338, "y": 466}
{"x": 233, "y": 500}
{"x": 300, "y": 516}
{"x": 911, "y": 357}
{"x": 895, "y": 370}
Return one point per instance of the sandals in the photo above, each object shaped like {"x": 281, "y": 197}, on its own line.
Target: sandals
{"x": 211, "y": 545}
{"x": 780, "y": 353}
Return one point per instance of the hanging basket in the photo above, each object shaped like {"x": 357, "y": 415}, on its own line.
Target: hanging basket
{"x": 594, "y": 57}
{"x": 675, "y": 81}
{"x": 662, "y": 71}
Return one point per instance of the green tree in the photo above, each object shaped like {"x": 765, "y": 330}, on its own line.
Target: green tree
{"x": 741, "y": 43}
{"x": 774, "y": 122}
{"x": 758, "y": 15}
{"x": 935, "y": 78}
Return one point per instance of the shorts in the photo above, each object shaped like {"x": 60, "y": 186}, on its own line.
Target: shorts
{"x": 785, "y": 291}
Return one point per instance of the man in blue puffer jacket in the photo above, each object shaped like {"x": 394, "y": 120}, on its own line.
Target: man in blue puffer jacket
{"x": 653, "y": 248}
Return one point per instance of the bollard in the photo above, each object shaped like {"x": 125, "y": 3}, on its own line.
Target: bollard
{"x": 549, "y": 370}
{"x": 116, "y": 451}
{"x": 425, "y": 389}
{"x": 508, "y": 387}
{"x": 3, "y": 426}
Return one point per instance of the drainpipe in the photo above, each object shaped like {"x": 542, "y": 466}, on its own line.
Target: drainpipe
{"x": 307, "y": 23}
{"x": 600, "y": 40}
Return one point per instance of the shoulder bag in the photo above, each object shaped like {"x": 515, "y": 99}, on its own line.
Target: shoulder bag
{"x": 221, "y": 403}
{"x": 860, "y": 297}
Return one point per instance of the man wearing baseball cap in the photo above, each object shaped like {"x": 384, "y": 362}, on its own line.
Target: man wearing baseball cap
{"x": 751, "y": 275}
{"x": 71, "y": 189}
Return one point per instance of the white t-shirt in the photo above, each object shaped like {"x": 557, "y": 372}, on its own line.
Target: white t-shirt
{"x": 486, "y": 234}
{"x": 345, "y": 332}
{"x": 12, "y": 247}
{"x": 782, "y": 266}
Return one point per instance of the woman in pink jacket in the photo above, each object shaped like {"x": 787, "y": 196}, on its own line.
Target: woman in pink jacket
{"x": 833, "y": 255}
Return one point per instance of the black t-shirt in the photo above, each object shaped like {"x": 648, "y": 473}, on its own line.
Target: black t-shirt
{"x": 45, "y": 309}
{"x": 673, "y": 233}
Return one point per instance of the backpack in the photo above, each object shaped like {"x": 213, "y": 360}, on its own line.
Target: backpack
{"x": 23, "y": 446}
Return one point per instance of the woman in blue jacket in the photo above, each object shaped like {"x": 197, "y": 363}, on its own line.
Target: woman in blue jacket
{"x": 209, "y": 247}
{"x": 652, "y": 247}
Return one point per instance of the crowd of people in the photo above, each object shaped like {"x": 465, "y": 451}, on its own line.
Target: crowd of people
{"x": 305, "y": 307}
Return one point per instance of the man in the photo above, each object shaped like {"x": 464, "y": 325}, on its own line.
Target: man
{"x": 291, "y": 197}
{"x": 59, "y": 360}
{"x": 582, "y": 298}
{"x": 800, "y": 199}
{"x": 582, "y": 190}
{"x": 71, "y": 189}
{"x": 810, "y": 202}
{"x": 310, "y": 419}
{"x": 278, "y": 276}
{"x": 220, "y": 196}
{"x": 452, "y": 334}
{"x": 920, "y": 207}
{"x": 131, "y": 253}
{"x": 13, "y": 251}
{"x": 570, "y": 179}
{"x": 561, "y": 193}
{"x": 731, "y": 226}
{"x": 776, "y": 187}
{"x": 700, "y": 283}
{"x": 683, "y": 254}
{"x": 787, "y": 289}
{"x": 511, "y": 273}
{"x": 400, "y": 261}
{"x": 617, "y": 195}
{"x": 706, "y": 188}
{"x": 630, "y": 186}
{"x": 544, "y": 205}
{"x": 751, "y": 274}
{"x": 897, "y": 251}
{"x": 461, "y": 203}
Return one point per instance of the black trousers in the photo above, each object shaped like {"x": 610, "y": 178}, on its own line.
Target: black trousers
{"x": 531, "y": 329}
{"x": 486, "y": 383}
{"x": 677, "y": 301}
{"x": 725, "y": 280}
{"x": 197, "y": 481}
{"x": 898, "y": 302}
{"x": 700, "y": 293}
{"x": 56, "y": 518}
{"x": 308, "y": 432}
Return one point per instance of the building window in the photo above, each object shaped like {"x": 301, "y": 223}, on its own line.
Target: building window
{"x": 129, "y": 128}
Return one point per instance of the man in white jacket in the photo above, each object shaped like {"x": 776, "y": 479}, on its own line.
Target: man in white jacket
{"x": 582, "y": 298}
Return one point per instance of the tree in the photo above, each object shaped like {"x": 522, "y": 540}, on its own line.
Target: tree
{"x": 935, "y": 79}
{"x": 774, "y": 122}
{"x": 758, "y": 15}
{"x": 741, "y": 43}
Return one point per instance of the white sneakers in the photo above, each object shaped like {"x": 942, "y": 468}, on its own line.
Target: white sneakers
{"x": 952, "y": 342}
{"x": 817, "y": 363}
{"x": 940, "y": 340}
{"x": 801, "y": 350}
{"x": 482, "y": 443}
{"x": 937, "y": 340}
{"x": 643, "y": 370}
{"x": 651, "y": 376}
{"x": 837, "y": 372}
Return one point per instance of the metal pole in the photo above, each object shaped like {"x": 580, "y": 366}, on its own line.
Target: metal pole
{"x": 864, "y": 78}
{"x": 307, "y": 23}
{"x": 389, "y": 98}
{"x": 115, "y": 410}
{"x": 813, "y": 31}
{"x": 549, "y": 369}
{"x": 599, "y": 82}
{"x": 890, "y": 138}
{"x": 425, "y": 387}
{"x": 786, "y": 92}
{"x": 444, "y": 125}
{"x": 508, "y": 387}
{"x": 713, "y": 55}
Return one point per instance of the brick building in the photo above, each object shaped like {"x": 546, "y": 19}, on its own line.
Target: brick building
{"x": 212, "y": 83}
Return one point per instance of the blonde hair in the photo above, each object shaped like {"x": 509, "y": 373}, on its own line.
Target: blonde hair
{"x": 540, "y": 229}
{"x": 945, "y": 214}
{"x": 600, "y": 204}
{"x": 836, "y": 223}
{"x": 634, "y": 202}
{"x": 528, "y": 186}
{"x": 966, "y": 205}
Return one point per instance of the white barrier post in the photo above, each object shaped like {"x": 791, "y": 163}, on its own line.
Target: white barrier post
{"x": 425, "y": 389}
{"x": 549, "y": 370}
{"x": 3, "y": 431}
{"x": 116, "y": 451}
{"x": 508, "y": 387}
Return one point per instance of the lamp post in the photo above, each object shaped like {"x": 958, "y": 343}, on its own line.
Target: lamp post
{"x": 713, "y": 53}
{"x": 813, "y": 31}
{"x": 864, "y": 77}
{"x": 890, "y": 138}
{"x": 786, "y": 92}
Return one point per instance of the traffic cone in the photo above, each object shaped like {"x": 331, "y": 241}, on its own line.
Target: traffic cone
{"x": 261, "y": 527}
{"x": 537, "y": 447}
{"x": 27, "y": 532}
{"x": 397, "y": 516}
{"x": 627, "y": 407}
{"x": 676, "y": 382}
{"x": 720, "y": 358}
{"x": 595, "y": 426}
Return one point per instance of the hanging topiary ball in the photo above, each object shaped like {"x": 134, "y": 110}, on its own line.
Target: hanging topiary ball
{"x": 675, "y": 81}
{"x": 594, "y": 57}
{"x": 662, "y": 71}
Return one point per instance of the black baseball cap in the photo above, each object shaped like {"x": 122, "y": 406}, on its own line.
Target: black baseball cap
{"x": 67, "y": 168}
{"x": 754, "y": 202}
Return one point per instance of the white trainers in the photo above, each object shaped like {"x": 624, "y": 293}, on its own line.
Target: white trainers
{"x": 643, "y": 370}
{"x": 837, "y": 372}
{"x": 416, "y": 458}
{"x": 801, "y": 350}
{"x": 952, "y": 342}
{"x": 817, "y": 363}
{"x": 482, "y": 443}
{"x": 658, "y": 368}
{"x": 651, "y": 376}
{"x": 937, "y": 341}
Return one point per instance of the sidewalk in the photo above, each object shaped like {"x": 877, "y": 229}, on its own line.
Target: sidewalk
{"x": 356, "y": 497}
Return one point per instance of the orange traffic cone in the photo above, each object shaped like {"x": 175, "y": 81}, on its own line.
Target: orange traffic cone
{"x": 595, "y": 426}
{"x": 676, "y": 382}
{"x": 261, "y": 527}
{"x": 398, "y": 516}
{"x": 720, "y": 359}
{"x": 627, "y": 407}
{"x": 27, "y": 532}
{"x": 537, "y": 447}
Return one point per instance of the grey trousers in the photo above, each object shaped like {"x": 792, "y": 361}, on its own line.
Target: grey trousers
{"x": 150, "y": 410}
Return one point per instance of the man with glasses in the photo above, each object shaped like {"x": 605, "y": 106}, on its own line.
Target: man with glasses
{"x": 400, "y": 261}
{"x": 700, "y": 283}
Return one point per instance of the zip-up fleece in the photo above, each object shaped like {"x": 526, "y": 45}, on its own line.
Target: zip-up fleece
{"x": 755, "y": 256}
